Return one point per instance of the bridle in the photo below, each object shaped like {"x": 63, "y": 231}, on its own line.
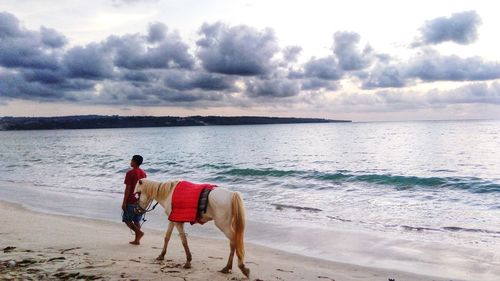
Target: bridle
{"x": 140, "y": 210}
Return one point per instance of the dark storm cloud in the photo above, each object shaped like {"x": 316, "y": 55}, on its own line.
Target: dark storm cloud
{"x": 29, "y": 49}
{"x": 23, "y": 52}
{"x": 31, "y": 62}
{"x": 460, "y": 28}
{"x": 153, "y": 94}
{"x": 52, "y": 38}
{"x": 326, "y": 68}
{"x": 157, "y": 32}
{"x": 138, "y": 76}
{"x": 233, "y": 66}
{"x": 15, "y": 85}
{"x": 36, "y": 67}
{"x": 237, "y": 50}
{"x": 431, "y": 66}
{"x": 189, "y": 80}
{"x": 385, "y": 76}
{"x": 272, "y": 88}
{"x": 133, "y": 52}
{"x": 348, "y": 54}
{"x": 316, "y": 84}
{"x": 45, "y": 76}
{"x": 90, "y": 62}
{"x": 346, "y": 58}
{"x": 10, "y": 26}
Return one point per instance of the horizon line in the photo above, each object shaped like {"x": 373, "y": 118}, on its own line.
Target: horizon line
{"x": 260, "y": 116}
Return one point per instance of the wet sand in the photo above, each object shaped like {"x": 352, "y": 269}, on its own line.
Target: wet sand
{"x": 55, "y": 247}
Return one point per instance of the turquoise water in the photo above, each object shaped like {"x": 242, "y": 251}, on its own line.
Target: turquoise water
{"x": 430, "y": 181}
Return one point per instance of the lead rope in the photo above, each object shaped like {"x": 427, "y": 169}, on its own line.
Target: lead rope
{"x": 154, "y": 206}
{"x": 144, "y": 217}
{"x": 145, "y": 212}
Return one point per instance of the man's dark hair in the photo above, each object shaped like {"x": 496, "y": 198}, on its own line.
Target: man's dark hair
{"x": 137, "y": 159}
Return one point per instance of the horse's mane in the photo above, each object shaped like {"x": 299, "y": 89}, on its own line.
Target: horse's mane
{"x": 157, "y": 190}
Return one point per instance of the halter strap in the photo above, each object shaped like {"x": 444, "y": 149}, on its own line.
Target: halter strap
{"x": 141, "y": 210}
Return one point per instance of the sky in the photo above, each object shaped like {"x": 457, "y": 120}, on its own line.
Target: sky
{"x": 357, "y": 60}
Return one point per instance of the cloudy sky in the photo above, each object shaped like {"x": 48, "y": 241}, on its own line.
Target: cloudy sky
{"x": 360, "y": 60}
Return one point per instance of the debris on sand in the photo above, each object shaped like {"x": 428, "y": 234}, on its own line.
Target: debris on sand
{"x": 24, "y": 264}
{"x": 8, "y": 249}
{"x": 326, "y": 277}
{"x": 75, "y": 275}
{"x": 11, "y": 264}
{"x": 56, "y": 259}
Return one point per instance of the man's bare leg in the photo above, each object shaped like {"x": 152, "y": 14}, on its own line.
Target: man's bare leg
{"x": 139, "y": 234}
{"x": 136, "y": 228}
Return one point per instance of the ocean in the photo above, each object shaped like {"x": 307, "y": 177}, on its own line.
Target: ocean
{"x": 429, "y": 182}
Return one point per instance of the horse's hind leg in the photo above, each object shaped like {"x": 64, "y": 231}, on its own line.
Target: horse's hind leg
{"x": 180, "y": 229}
{"x": 165, "y": 243}
{"x": 226, "y": 229}
{"x": 229, "y": 266}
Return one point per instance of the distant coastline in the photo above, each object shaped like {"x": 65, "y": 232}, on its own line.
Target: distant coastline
{"x": 115, "y": 121}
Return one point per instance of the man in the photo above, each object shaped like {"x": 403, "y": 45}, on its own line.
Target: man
{"x": 130, "y": 218}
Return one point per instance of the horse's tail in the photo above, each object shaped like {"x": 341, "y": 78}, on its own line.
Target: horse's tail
{"x": 238, "y": 224}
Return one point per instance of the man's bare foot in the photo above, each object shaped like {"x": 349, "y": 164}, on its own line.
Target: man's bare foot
{"x": 138, "y": 237}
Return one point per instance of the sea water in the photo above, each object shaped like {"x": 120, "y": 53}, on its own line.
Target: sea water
{"x": 429, "y": 181}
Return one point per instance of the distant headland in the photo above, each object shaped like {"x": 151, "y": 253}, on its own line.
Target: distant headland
{"x": 115, "y": 121}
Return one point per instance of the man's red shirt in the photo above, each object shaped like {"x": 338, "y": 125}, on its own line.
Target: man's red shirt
{"x": 131, "y": 179}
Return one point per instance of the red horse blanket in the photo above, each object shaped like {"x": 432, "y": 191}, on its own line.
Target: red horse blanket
{"x": 185, "y": 201}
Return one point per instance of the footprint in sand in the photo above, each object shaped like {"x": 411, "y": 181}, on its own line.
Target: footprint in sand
{"x": 70, "y": 249}
{"x": 215, "y": 258}
{"x": 326, "y": 277}
{"x": 282, "y": 270}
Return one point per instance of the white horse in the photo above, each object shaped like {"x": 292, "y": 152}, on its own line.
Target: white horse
{"x": 225, "y": 208}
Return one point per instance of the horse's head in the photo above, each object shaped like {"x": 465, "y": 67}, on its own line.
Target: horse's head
{"x": 143, "y": 190}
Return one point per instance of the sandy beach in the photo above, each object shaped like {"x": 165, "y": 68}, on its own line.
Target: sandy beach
{"x": 54, "y": 247}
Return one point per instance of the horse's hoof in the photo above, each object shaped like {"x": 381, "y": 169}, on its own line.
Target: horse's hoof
{"x": 187, "y": 265}
{"x": 160, "y": 258}
{"x": 245, "y": 270}
{"x": 225, "y": 270}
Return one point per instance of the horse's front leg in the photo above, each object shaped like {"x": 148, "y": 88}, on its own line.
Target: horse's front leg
{"x": 182, "y": 234}
{"x": 165, "y": 243}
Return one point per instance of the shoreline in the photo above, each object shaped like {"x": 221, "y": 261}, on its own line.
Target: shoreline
{"x": 351, "y": 247}
{"x": 93, "y": 247}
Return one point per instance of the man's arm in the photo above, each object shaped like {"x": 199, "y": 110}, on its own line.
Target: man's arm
{"x": 125, "y": 196}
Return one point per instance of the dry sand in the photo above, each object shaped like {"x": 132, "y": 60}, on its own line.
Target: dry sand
{"x": 54, "y": 247}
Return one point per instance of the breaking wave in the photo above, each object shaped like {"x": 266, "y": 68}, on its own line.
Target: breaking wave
{"x": 472, "y": 184}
